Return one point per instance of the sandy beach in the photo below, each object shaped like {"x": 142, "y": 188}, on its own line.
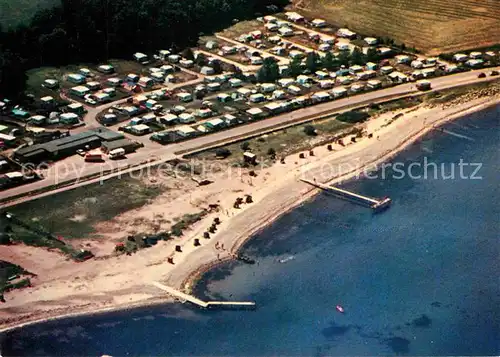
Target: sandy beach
{"x": 106, "y": 283}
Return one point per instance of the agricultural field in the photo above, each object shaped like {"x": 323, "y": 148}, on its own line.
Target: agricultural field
{"x": 433, "y": 26}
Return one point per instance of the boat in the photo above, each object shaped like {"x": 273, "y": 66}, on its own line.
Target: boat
{"x": 339, "y": 308}
{"x": 284, "y": 260}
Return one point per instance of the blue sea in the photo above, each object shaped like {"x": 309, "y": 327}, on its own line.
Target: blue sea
{"x": 418, "y": 279}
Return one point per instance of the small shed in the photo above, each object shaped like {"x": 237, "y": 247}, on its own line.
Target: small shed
{"x": 249, "y": 158}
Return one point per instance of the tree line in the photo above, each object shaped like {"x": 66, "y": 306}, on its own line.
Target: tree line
{"x": 269, "y": 71}
{"x": 97, "y": 30}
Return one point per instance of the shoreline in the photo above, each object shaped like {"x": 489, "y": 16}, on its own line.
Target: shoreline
{"x": 189, "y": 283}
{"x": 192, "y": 276}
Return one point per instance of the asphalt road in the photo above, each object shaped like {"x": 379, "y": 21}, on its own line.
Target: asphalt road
{"x": 68, "y": 170}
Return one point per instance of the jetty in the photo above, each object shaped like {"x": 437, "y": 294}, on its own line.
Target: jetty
{"x": 373, "y": 203}
{"x": 183, "y": 297}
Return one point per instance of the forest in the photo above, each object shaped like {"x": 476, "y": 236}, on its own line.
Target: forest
{"x": 97, "y": 30}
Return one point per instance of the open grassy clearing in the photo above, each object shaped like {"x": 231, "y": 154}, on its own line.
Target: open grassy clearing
{"x": 36, "y": 77}
{"x": 431, "y": 25}
{"x": 74, "y": 213}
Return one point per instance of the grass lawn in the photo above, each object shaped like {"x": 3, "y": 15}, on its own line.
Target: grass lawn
{"x": 241, "y": 27}
{"x": 284, "y": 142}
{"x": 73, "y": 213}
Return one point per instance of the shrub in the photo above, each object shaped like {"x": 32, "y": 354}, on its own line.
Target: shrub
{"x": 353, "y": 117}
{"x": 310, "y": 130}
{"x": 245, "y": 146}
{"x": 271, "y": 152}
{"x": 222, "y": 153}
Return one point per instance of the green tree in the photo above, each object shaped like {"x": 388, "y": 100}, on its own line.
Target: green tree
{"x": 327, "y": 61}
{"x": 201, "y": 59}
{"x": 357, "y": 57}
{"x": 216, "y": 65}
{"x": 312, "y": 60}
{"x": 188, "y": 54}
{"x": 344, "y": 58}
{"x": 295, "y": 67}
{"x": 372, "y": 55}
{"x": 269, "y": 71}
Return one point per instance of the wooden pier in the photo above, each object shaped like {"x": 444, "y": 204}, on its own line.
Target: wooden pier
{"x": 205, "y": 304}
{"x": 373, "y": 203}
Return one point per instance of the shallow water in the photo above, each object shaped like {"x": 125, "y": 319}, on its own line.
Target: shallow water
{"x": 420, "y": 278}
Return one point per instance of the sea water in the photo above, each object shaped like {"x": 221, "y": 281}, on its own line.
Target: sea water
{"x": 420, "y": 278}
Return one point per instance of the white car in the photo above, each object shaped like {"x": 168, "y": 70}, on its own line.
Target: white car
{"x": 90, "y": 101}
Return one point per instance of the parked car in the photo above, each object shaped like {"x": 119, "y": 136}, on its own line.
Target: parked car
{"x": 481, "y": 75}
{"x": 494, "y": 73}
{"x": 80, "y": 152}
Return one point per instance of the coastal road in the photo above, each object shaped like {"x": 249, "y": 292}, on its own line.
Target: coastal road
{"x": 65, "y": 172}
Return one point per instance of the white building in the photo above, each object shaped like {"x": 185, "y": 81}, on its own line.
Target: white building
{"x": 318, "y": 23}
{"x": 370, "y": 41}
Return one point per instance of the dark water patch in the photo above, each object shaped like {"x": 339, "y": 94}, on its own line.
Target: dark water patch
{"x": 399, "y": 345}
{"x": 422, "y": 321}
{"x": 335, "y": 330}
{"x": 436, "y": 304}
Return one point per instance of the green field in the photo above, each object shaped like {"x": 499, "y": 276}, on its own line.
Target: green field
{"x": 74, "y": 213}
{"x": 20, "y": 12}
{"x": 283, "y": 142}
